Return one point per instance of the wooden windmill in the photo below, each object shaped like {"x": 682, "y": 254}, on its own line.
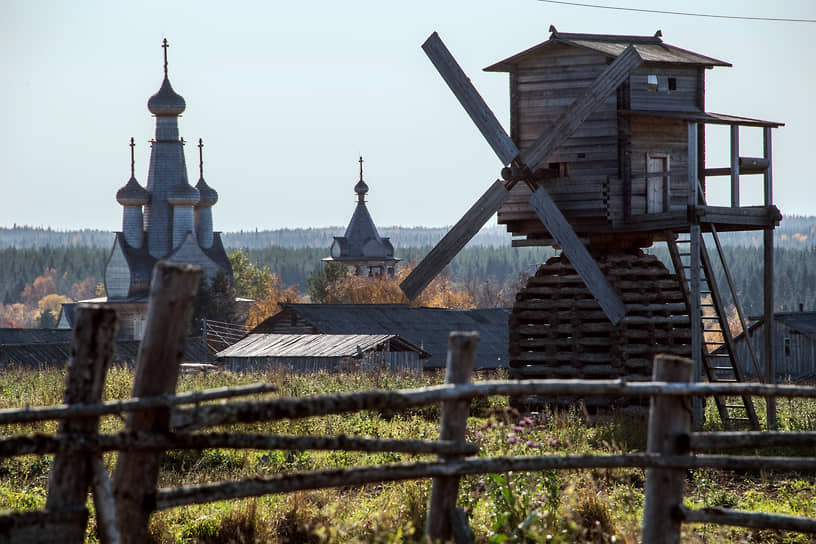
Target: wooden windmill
{"x": 607, "y": 156}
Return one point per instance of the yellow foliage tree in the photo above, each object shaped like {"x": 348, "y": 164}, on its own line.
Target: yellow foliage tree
{"x": 353, "y": 289}
{"x": 269, "y": 302}
{"x": 41, "y": 286}
{"x": 52, "y": 303}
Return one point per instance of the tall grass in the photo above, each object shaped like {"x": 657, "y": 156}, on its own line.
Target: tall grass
{"x": 549, "y": 506}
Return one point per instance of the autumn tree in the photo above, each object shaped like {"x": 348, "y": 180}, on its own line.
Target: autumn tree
{"x": 353, "y": 289}
{"x": 42, "y": 285}
{"x": 261, "y": 286}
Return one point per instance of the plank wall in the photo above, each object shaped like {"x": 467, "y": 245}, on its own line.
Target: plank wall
{"x": 541, "y": 89}
{"x": 683, "y": 98}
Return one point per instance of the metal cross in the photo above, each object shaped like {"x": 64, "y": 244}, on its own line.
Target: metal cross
{"x": 201, "y": 158}
{"x": 165, "y": 45}
{"x": 132, "y": 160}
{"x": 361, "y": 168}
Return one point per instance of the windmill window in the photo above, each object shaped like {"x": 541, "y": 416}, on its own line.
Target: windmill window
{"x": 787, "y": 346}
{"x": 672, "y": 83}
{"x": 651, "y": 82}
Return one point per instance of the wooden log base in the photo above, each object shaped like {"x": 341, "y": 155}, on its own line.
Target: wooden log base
{"x": 558, "y": 330}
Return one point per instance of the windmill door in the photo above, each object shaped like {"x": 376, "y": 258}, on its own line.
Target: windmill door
{"x": 657, "y": 183}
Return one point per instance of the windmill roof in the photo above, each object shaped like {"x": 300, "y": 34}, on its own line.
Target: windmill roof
{"x": 650, "y": 49}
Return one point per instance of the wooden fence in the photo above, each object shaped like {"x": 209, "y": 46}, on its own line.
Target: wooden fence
{"x": 158, "y": 420}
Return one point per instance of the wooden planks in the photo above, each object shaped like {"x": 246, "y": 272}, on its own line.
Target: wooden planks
{"x": 557, "y": 225}
{"x": 470, "y": 99}
{"x": 453, "y": 242}
{"x": 605, "y": 84}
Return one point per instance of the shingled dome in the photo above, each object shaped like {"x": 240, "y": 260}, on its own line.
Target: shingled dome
{"x": 132, "y": 194}
{"x": 208, "y": 195}
{"x": 183, "y": 194}
{"x": 166, "y": 101}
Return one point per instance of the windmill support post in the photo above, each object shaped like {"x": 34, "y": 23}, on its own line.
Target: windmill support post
{"x": 442, "y": 515}
{"x": 768, "y": 300}
{"x": 695, "y": 234}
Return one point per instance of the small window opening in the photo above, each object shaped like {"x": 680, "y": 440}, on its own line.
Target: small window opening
{"x": 787, "y": 346}
{"x": 672, "y": 83}
{"x": 651, "y": 82}
{"x": 562, "y": 169}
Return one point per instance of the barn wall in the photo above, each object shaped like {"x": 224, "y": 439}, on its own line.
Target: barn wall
{"x": 796, "y": 363}
{"x": 400, "y": 361}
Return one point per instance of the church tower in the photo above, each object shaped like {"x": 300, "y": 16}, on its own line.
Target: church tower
{"x": 169, "y": 219}
{"x": 361, "y": 247}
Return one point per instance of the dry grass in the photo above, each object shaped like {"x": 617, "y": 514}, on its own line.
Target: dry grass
{"x": 567, "y": 506}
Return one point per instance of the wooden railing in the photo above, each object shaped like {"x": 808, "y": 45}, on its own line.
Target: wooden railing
{"x": 158, "y": 420}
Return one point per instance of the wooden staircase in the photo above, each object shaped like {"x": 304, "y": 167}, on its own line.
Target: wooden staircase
{"x": 718, "y": 357}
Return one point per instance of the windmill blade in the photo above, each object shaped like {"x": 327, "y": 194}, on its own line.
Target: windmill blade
{"x": 579, "y": 257}
{"x": 470, "y": 99}
{"x": 604, "y": 85}
{"x": 453, "y": 242}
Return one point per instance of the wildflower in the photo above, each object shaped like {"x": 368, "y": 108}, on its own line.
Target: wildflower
{"x": 518, "y": 428}
{"x": 532, "y": 445}
{"x": 512, "y": 439}
{"x": 527, "y": 421}
{"x": 479, "y": 435}
{"x": 554, "y": 442}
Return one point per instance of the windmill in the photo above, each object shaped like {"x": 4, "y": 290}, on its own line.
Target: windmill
{"x": 607, "y": 157}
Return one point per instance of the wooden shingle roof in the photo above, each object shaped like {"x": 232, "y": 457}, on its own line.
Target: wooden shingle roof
{"x": 315, "y": 345}
{"x": 427, "y": 328}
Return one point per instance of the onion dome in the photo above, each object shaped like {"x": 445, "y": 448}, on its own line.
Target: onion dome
{"x": 132, "y": 194}
{"x": 166, "y": 101}
{"x": 208, "y": 195}
{"x": 361, "y": 188}
{"x": 183, "y": 194}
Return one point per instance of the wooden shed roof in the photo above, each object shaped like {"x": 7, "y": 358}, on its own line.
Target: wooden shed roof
{"x": 315, "y": 345}
{"x": 650, "y": 49}
{"x": 428, "y": 328}
{"x": 706, "y": 117}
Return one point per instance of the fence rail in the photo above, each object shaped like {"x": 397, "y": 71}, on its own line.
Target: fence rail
{"x": 158, "y": 420}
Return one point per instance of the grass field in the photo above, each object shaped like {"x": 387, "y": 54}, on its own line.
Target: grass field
{"x": 550, "y": 506}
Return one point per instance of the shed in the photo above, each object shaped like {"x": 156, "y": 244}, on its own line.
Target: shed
{"x": 794, "y": 345}
{"x": 428, "y": 328}
{"x": 326, "y": 352}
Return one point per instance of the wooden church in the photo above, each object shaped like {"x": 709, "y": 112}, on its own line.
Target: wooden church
{"x": 606, "y": 157}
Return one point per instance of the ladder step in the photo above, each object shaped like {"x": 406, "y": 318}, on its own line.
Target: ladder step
{"x": 738, "y": 406}
{"x": 742, "y": 419}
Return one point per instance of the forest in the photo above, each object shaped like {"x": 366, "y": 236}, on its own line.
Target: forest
{"x": 34, "y": 281}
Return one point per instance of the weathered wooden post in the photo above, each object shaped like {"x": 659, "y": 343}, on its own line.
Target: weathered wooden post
{"x": 92, "y": 349}
{"x": 453, "y": 420}
{"x": 172, "y": 292}
{"x": 669, "y": 419}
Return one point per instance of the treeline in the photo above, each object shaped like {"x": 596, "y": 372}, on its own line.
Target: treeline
{"x": 794, "y": 232}
{"x": 73, "y": 265}
{"x": 485, "y": 268}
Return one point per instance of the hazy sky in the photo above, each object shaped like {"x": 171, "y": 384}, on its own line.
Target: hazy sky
{"x": 286, "y": 95}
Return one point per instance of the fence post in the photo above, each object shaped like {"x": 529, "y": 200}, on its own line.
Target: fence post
{"x": 453, "y": 420}
{"x": 92, "y": 348}
{"x": 172, "y": 291}
{"x": 669, "y": 418}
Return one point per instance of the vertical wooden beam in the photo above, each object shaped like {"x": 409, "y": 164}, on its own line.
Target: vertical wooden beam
{"x": 92, "y": 350}
{"x": 669, "y": 420}
{"x": 624, "y": 103}
{"x": 172, "y": 291}
{"x": 768, "y": 281}
{"x": 735, "y": 169}
{"x": 698, "y": 405}
{"x": 515, "y": 108}
{"x": 445, "y": 490}
{"x": 701, "y": 131}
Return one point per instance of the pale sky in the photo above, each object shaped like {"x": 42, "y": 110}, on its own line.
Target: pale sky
{"x": 287, "y": 95}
